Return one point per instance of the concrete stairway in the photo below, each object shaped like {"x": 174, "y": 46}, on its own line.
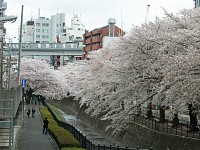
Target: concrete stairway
{"x": 5, "y": 138}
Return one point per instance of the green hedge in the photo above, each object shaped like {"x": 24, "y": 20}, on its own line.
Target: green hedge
{"x": 62, "y": 136}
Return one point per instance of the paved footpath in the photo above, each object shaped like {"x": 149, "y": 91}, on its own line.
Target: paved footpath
{"x": 31, "y": 137}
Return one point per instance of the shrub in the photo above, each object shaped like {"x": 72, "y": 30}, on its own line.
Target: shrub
{"x": 62, "y": 136}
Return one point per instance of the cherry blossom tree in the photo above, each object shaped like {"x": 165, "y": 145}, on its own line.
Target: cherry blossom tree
{"x": 157, "y": 62}
{"x": 43, "y": 79}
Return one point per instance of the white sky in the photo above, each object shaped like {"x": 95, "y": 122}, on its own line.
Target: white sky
{"x": 94, "y": 13}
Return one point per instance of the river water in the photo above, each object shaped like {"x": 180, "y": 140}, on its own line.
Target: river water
{"x": 92, "y": 135}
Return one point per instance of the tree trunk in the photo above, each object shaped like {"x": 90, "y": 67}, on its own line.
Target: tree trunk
{"x": 175, "y": 121}
{"x": 149, "y": 111}
{"x": 162, "y": 114}
{"x": 193, "y": 118}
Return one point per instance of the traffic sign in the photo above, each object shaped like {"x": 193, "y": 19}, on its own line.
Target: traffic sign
{"x": 23, "y": 83}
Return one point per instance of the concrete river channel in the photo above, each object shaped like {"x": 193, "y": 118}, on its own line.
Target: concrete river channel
{"x": 93, "y": 136}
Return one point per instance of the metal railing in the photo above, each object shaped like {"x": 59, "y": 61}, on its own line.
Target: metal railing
{"x": 74, "y": 46}
{"x": 167, "y": 127}
{"x": 86, "y": 143}
{"x": 6, "y": 123}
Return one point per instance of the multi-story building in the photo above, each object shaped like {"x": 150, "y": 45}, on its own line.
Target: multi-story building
{"x": 57, "y": 26}
{"x": 54, "y": 30}
{"x": 94, "y": 39}
{"x": 27, "y": 32}
{"x": 196, "y": 3}
{"x": 45, "y": 30}
{"x": 75, "y": 32}
{"x": 42, "y": 30}
{"x": 37, "y": 31}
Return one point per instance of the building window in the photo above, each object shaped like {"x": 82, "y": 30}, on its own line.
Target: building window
{"x": 45, "y": 24}
{"x": 37, "y": 24}
{"x": 45, "y": 30}
{"x": 45, "y": 36}
{"x": 37, "y": 30}
{"x": 37, "y": 36}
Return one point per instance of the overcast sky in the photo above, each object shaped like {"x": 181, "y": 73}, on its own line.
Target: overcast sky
{"x": 94, "y": 13}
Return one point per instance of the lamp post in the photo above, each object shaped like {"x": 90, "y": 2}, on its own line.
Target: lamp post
{"x": 3, "y": 19}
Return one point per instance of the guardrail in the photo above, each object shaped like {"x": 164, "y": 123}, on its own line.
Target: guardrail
{"x": 75, "y": 46}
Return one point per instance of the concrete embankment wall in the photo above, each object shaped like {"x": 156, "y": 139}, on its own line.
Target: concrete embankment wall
{"x": 136, "y": 135}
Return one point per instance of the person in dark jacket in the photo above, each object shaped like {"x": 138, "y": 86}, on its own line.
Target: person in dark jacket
{"x": 33, "y": 112}
{"x": 28, "y": 112}
{"x": 45, "y": 126}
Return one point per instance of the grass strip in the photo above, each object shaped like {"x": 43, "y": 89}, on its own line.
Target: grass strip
{"x": 62, "y": 136}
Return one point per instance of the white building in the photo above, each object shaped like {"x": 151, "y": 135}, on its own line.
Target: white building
{"x": 75, "y": 32}
{"x": 45, "y": 30}
{"x": 27, "y": 32}
{"x": 42, "y": 30}
{"x": 57, "y": 26}
{"x": 54, "y": 30}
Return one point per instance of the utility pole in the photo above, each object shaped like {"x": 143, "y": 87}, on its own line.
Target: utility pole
{"x": 20, "y": 47}
{"x": 1, "y": 45}
{"x": 147, "y": 13}
{"x": 3, "y": 19}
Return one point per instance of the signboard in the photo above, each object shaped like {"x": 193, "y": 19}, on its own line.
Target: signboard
{"x": 23, "y": 83}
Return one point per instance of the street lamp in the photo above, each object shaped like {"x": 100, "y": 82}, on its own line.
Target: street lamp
{"x": 3, "y": 19}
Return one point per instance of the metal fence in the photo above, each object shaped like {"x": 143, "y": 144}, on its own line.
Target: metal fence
{"x": 167, "y": 127}
{"x": 6, "y": 123}
{"x": 86, "y": 143}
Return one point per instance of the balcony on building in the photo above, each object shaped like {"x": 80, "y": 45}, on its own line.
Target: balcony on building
{"x": 96, "y": 46}
{"x": 87, "y": 41}
{"x": 87, "y": 48}
{"x": 87, "y": 34}
{"x": 96, "y": 39}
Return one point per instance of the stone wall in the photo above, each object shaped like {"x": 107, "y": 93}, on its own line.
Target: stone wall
{"x": 136, "y": 135}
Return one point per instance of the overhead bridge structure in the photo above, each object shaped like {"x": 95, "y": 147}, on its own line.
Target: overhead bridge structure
{"x": 44, "y": 49}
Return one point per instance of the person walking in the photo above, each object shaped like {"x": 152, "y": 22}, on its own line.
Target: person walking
{"x": 28, "y": 112}
{"x": 33, "y": 112}
{"x": 45, "y": 126}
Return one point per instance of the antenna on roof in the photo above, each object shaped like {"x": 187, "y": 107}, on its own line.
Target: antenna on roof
{"x": 31, "y": 16}
{"x": 147, "y": 13}
{"x": 121, "y": 33}
{"x": 39, "y": 13}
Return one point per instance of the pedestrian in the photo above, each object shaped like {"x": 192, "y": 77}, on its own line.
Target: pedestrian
{"x": 33, "y": 112}
{"x": 45, "y": 126}
{"x": 28, "y": 112}
{"x": 35, "y": 100}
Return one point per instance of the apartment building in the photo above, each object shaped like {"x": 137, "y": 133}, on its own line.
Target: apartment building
{"x": 36, "y": 31}
{"x": 75, "y": 32}
{"x": 42, "y": 28}
{"x": 94, "y": 39}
